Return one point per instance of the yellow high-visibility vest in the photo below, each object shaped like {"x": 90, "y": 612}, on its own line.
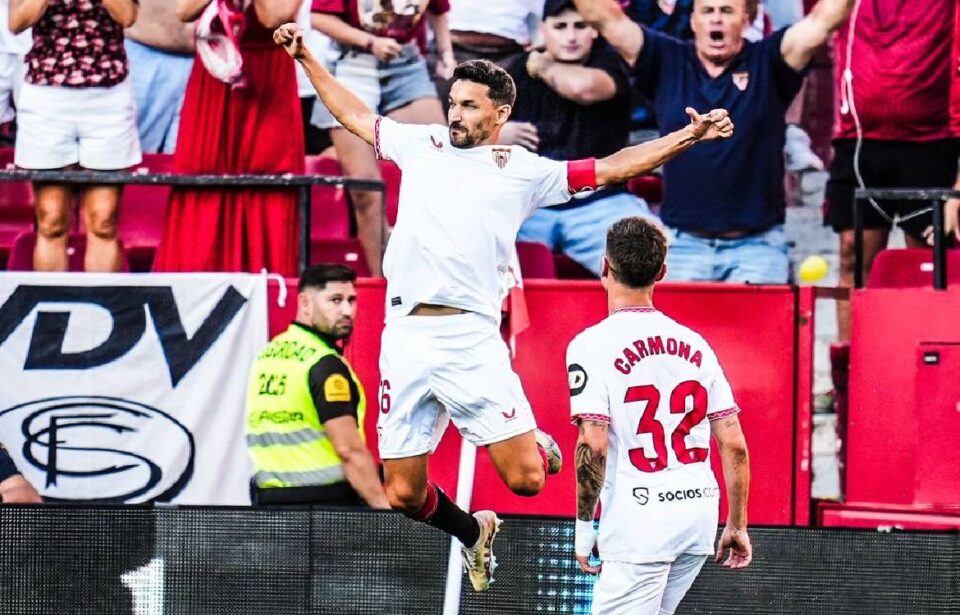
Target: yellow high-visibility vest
{"x": 289, "y": 445}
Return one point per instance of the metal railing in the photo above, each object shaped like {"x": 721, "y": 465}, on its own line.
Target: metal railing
{"x": 937, "y": 196}
{"x": 302, "y": 183}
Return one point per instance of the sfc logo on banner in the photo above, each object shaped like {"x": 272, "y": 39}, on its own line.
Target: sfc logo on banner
{"x": 84, "y": 445}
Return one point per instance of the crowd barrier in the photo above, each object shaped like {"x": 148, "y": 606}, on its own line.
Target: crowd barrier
{"x": 301, "y": 183}
{"x": 763, "y": 336}
{"x": 213, "y": 561}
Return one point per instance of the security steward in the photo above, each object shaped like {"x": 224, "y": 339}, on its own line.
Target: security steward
{"x": 14, "y": 488}
{"x": 305, "y": 406}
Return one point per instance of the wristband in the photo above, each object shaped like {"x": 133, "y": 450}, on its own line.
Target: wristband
{"x": 584, "y": 538}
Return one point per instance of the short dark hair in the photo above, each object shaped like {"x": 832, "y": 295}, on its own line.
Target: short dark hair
{"x": 636, "y": 249}
{"x": 318, "y": 276}
{"x": 503, "y": 91}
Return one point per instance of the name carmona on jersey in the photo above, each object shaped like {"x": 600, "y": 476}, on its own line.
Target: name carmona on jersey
{"x": 656, "y": 345}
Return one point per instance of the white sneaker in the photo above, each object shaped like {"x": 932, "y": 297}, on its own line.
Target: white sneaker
{"x": 478, "y": 560}
{"x": 549, "y": 445}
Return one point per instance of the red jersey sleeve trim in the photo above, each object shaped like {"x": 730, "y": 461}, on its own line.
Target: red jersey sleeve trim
{"x": 582, "y": 175}
{"x": 722, "y": 414}
{"x": 376, "y": 139}
{"x": 599, "y": 418}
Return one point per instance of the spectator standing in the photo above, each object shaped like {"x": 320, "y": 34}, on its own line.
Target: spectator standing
{"x": 13, "y": 49}
{"x": 317, "y": 140}
{"x": 77, "y": 63}
{"x": 731, "y": 227}
{"x": 574, "y": 103}
{"x": 375, "y": 53}
{"x": 160, "y": 49}
{"x": 14, "y": 488}
{"x": 254, "y": 128}
{"x": 306, "y": 407}
{"x": 495, "y": 30}
{"x": 898, "y": 103}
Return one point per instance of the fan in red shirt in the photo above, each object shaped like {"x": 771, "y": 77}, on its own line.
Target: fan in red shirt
{"x": 898, "y": 100}
{"x": 374, "y": 52}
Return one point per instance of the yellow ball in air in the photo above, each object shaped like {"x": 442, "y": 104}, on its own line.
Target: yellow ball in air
{"x": 813, "y": 268}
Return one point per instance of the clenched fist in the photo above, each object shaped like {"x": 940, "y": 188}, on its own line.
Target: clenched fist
{"x": 290, "y": 37}
{"x": 713, "y": 125}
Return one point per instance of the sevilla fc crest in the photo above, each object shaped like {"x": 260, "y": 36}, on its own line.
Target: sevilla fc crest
{"x": 501, "y": 156}
{"x": 741, "y": 80}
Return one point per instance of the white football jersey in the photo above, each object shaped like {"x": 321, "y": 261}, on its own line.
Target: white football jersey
{"x": 658, "y": 384}
{"x": 458, "y": 217}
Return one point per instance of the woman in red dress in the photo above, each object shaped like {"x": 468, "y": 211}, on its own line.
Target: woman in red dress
{"x": 254, "y": 128}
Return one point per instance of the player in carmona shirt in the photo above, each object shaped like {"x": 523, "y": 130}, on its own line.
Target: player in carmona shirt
{"x": 462, "y": 200}
{"x": 647, "y": 393}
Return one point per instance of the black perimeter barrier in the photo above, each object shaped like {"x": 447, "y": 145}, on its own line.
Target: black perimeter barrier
{"x": 116, "y": 560}
{"x": 302, "y": 183}
{"x": 936, "y": 196}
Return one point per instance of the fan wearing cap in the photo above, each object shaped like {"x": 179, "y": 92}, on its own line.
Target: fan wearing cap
{"x": 573, "y": 102}
{"x": 731, "y": 227}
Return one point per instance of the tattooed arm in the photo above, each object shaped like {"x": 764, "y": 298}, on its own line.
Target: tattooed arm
{"x": 736, "y": 473}
{"x": 590, "y": 459}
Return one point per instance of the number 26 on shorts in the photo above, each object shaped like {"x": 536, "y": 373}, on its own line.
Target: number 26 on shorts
{"x": 649, "y": 424}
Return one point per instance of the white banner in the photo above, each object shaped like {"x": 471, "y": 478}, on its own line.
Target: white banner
{"x": 130, "y": 388}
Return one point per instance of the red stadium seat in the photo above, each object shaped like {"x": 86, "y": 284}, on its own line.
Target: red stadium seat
{"x": 143, "y": 211}
{"x": 21, "y": 255}
{"x": 536, "y": 260}
{"x": 16, "y": 208}
{"x": 340, "y": 251}
{"x": 910, "y": 268}
{"x": 330, "y": 209}
{"x": 648, "y": 188}
{"x": 390, "y": 173}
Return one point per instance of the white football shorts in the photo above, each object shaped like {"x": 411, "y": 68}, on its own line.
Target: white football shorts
{"x": 434, "y": 369}
{"x": 59, "y": 126}
{"x": 624, "y": 588}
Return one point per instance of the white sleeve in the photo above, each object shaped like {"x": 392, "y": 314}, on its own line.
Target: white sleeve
{"x": 552, "y": 183}
{"x": 720, "y": 403}
{"x": 392, "y": 139}
{"x": 588, "y": 393}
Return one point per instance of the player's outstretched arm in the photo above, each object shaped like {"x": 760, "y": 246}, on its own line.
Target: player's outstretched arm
{"x": 590, "y": 459}
{"x": 644, "y": 158}
{"x": 736, "y": 474}
{"x": 624, "y": 34}
{"x": 803, "y": 38}
{"x": 342, "y": 103}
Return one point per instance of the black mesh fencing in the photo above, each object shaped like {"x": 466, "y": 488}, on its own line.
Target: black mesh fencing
{"x": 237, "y": 561}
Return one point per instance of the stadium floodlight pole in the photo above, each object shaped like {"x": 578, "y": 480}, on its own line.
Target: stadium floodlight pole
{"x": 465, "y": 474}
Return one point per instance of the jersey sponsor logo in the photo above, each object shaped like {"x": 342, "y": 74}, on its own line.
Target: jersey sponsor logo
{"x": 679, "y": 495}
{"x": 509, "y": 416}
{"x": 437, "y": 145}
{"x": 741, "y": 80}
{"x": 336, "y": 388}
{"x": 641, "y": 495}
{"x": 578, "y": 379}
{"x": 501, "y": 156}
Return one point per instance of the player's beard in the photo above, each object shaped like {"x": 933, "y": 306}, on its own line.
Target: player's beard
{"x": 467, "y": 139}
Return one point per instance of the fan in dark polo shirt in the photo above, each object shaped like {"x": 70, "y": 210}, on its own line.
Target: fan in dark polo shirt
{"x": 724, "y": 203}
{"x": 573, "y": 102}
